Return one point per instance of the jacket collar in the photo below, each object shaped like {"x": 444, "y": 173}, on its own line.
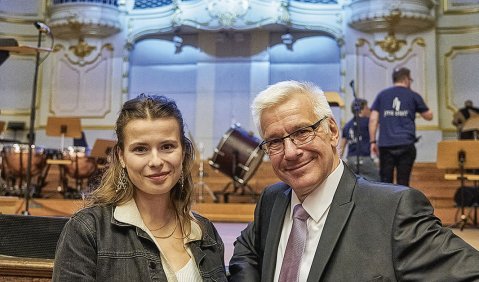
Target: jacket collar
{"x": 128, "y": 214}
{"x": 341, "y": 209}
{"x": 273, "y": 236}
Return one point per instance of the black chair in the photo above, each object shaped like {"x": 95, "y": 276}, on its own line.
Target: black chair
{"x": 30, "y": 236}
{"x": 80, "y": 142}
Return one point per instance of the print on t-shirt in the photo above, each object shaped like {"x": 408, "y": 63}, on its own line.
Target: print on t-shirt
{"x": 397, "y": 107}
{"x": 396, "y": 111}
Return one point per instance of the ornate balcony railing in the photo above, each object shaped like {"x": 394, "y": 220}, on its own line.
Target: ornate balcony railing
{"x": 84, "y": 18}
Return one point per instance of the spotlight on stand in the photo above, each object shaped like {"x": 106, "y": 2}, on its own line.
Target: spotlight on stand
{"x": 178, "y": 41}
{"x": 288, "y": 40}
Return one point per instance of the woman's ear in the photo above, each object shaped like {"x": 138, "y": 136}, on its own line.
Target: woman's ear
{"x": 120, "y": 155}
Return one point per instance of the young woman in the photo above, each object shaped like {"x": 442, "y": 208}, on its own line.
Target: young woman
{"x": 138, "y": 224}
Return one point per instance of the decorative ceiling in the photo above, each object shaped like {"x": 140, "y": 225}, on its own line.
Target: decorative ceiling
{"x": 148, "y": 4}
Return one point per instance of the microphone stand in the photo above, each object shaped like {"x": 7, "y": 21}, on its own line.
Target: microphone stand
{"x": 462, "y": 159}
{"x": 357, "y": 134}
{"x": 31, "y": 137}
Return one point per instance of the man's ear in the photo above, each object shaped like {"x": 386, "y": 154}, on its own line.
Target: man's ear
{"x": 333, "y": 131}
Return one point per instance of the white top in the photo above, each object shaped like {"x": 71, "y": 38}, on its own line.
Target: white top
{"x": 317, "y": 205}
{"x": 129, "y": 213}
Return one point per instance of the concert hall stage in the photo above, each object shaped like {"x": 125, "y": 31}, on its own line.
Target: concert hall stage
{"x": 229, "y": 218}
{"x": 425, "y": 177}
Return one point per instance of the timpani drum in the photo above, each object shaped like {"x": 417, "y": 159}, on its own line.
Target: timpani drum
{"x": 15, "y": 158}
{"x": 82, "y": 165}
{"x": 238, "y": 155}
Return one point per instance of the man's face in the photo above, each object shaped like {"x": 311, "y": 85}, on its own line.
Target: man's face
{"x": 409, "y": 81}
{"x": 366, "y": 111}
{"x": 306, "y": 166}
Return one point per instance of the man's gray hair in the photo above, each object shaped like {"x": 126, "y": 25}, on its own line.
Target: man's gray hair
{"x": 278, "y": 93}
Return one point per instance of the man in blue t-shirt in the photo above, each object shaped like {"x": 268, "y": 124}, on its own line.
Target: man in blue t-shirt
{"x": 394, "y": 112}
{"x": 366, "y": 168}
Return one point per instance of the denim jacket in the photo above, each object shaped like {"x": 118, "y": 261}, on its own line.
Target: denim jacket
{"x": 94, "y": 246}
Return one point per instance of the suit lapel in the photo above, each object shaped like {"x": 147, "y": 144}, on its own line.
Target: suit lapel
{"x": 277, "y": 215}
{"x": 338, "y": 215}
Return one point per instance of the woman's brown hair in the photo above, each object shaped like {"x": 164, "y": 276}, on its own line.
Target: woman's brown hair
{"x": 147, "y": 107}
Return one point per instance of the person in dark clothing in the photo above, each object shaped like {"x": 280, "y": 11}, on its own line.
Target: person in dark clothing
{"x": 394, "y": 113}
{"x": 324, "y": 223}
{"x": 138, "y": 224}
{"x": 367, "y": 167}
{"x": 460, "y": 118}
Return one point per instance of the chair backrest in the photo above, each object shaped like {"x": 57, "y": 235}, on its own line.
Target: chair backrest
{"x": 30, "y": 236}
{"x": 80, "y": 142}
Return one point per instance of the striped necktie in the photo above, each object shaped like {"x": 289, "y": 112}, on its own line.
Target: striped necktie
{"x": 295, "y": 246}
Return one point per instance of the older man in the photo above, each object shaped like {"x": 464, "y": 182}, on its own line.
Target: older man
{"x": 323, "y": 223}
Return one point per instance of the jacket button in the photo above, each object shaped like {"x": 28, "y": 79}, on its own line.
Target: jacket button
{"x": 152, "y": 265}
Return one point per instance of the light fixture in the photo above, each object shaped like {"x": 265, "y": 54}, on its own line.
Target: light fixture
{"x": 178, "y": 41}
{"x": 288, "y": 40}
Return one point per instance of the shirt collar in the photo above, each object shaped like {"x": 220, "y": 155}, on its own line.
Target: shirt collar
{"x": 129, "y": 213}
{"x": 318, "y": 202}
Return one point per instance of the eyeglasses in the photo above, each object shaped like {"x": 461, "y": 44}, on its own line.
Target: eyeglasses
{"x": 299, "y": 137}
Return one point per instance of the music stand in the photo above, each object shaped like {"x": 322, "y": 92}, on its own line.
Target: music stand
{"x": 26, "y": 50}
{"x": 64, "y": 127}
{"x": 460, "y": 154}
{"x": 102, "y": 148}
{"x": 15, "y": 126}
{"x": 202, "y": 186}
{"x": 11, "y": 45}
{"x": 334, "y": 99}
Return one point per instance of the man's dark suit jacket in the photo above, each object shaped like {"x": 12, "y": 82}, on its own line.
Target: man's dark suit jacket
{"x": 373, "y": 232}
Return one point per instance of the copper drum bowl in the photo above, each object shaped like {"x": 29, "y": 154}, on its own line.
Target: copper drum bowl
{"x": 79, "y": 156}
{"x": 16, "y": 160}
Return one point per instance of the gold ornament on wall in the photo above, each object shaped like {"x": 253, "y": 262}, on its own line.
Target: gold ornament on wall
{"x": 391, "y": 44}
{"x": 81, "y": 51}
{"x": 391, "y": 57}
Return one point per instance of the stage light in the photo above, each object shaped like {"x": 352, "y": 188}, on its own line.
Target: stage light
{"x": 288, "y": 40}
{"x": 178, "y": 41}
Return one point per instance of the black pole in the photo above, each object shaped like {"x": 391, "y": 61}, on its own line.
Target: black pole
{"x": 357, "y": 133}
{"x": 31, "y": 133}
{"x": 462, "y": 159}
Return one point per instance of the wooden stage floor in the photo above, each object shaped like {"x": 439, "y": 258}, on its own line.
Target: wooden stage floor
{"x": 221, "y": 212}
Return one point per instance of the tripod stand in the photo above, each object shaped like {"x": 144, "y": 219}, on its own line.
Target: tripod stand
{"x": 466, "y": 153}
{"x": 201, "y": 185}
{"x": 237, "y": 182}
{"x": 3, "y": 183}
{"x": 461, "y": 155}
{"x": 64, "y": 127}
{"x": 357, "y": 132}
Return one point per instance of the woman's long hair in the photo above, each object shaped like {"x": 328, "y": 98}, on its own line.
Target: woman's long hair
{"x": 147, "y": 107}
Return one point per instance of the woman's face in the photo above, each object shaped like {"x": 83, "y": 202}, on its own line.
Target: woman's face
{"x": 152, "y": 155}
